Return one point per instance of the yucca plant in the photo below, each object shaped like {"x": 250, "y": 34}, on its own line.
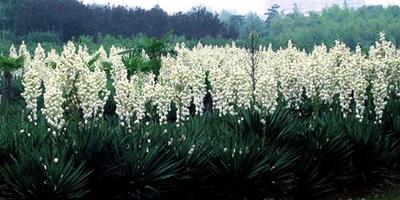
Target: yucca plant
{"x": 8, "y": 116}
{"x": 99, "y": 146}
{"x": 251, "y": 122}
{"x": 41, "y": 175}
{"x": 148, "y": 169}
{"x": 280, "y": 126}
{"x": 250, "y": 169}
{"x": 311, "y": 182}
{"x": 191, "y": 143}
{"x": 391, "y": 116}
{"x": 191, "y": 146}
{"x": 326, "y": 153}
{"x": 7, "y": 66}
{"x": 277, "y": 127}
{"x": 375, "y": 154}
{"x": 16, "y": 131}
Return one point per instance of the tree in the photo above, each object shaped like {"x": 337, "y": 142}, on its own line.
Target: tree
{"x": 271, "y": 14}
{"x": 71, "y": 19}
{"x": 154, "y": 48}
{"x": 203, "y": 23}
{"x": 251, "y": 23}
{"x": 7, "y": 10}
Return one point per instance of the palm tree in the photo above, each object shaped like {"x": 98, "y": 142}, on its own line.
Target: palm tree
{"x": 8, "y": 65}
{"x": 137, "y": 62}
{"x": 154, "y": 48}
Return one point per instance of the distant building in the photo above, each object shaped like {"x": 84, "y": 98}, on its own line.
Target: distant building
{"x": 312, "y": 5}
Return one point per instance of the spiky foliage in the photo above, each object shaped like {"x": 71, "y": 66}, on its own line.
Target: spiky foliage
{"x": 250, "y": 122}
{"x": 312, "y": 183}
{"x": 44, "y": 175}
{"x": 8, "y": 114}
{"x": 250, "y": 169}
{"x": 280, "y": 126}
{"x": 283, "y": 155}
{"x": 326, "y": 158}
{"x": 391, "y": 117}
{"x": 193, "y": 152}
{"x": 375, "y": 154}
{"x": 147, "y": 168}
{"x": 99, "y": 147}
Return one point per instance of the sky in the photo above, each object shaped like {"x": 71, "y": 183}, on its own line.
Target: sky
{"x": 238, "y": 6}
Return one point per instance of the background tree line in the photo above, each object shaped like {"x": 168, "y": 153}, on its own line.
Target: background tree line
{"x": 71, "y": 18}
{"x": 53, "y": 22}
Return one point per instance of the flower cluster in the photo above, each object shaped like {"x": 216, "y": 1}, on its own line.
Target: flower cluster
{"x": 131, "y": 93}
{"x": 91, "y": 87}
{"x": 67, "y": 84}
{"x": 32, "y": 79}
{"x": 324, "y": 76}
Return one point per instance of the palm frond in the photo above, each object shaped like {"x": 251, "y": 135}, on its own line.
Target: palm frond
{"x": 11, "y": 64}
